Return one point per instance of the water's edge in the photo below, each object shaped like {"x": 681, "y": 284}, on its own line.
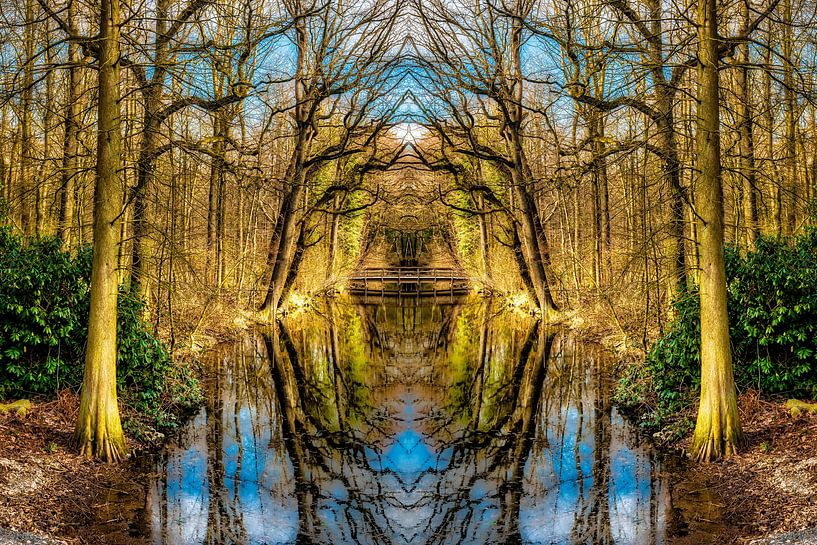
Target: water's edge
{"x": 414, "y": 457}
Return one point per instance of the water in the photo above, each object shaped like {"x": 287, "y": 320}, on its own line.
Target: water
{"x": 424, "y": 424}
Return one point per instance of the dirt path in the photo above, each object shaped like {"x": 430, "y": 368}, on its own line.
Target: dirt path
{"x": 805, "y": 537}
{"x": 12, "y": 537}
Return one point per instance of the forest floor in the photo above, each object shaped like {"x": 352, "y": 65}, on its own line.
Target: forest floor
{"x": 48, "y": 490}
{"x": 769, "y": 489}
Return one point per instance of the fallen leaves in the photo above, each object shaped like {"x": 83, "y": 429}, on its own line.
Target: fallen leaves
{"x": 44, "y": 487}
{"x": 771, "y": 486}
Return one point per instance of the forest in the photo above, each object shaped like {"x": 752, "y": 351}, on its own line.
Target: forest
{"x": 507, "y": 232}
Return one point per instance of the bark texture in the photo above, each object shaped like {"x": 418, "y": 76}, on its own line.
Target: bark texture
{"x": 99, "y": 431}
{"x": 717, "y": 431}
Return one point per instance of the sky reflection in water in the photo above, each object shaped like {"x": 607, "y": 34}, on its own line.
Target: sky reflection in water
{"x": 393, "y": 425}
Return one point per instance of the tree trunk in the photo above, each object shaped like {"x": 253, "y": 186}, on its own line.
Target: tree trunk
{"x": 334, "y": 231}
{"x": 534, "y": 237}
{"x": 792, "y": 200}
{"x": 99, "y": 431}
{"x": 297, "y": 259}
{"x": 43, "y": 189}
{"x": 747, "y": 140}
{"x": 221, "y": 210}
{"x": 607, "y": 230}
{"x": 140, "y": 281}
{"x": 279, "y": 257}
{"x": 522, "y": 264}
{"x": 536, "y": 253}
{"x": 667, "y": 142}
{"x": 717, "y": 432}
{"x": 146, "y": 164}
{"x": 812, "y": 183}
{"x": 4, "y": 166}
{"x": 216, "y": 170}
{"x": 71, "y": 139}
{"x": 601, "y": 201}
{"x": 672, "y": 167}
{"x": 777, "y": 197}
{"x": 25, "y": 182}
{"x": 484, "y": 239}
{"x": 281, "y": 246}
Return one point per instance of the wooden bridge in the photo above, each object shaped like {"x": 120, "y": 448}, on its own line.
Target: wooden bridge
{"x": 408, "y": 282}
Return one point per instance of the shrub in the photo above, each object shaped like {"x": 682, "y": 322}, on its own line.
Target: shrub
{"x": 773, "y": 315}
{"x": 44, "y": 305}
{"x": 43, "y": 315}
{"x": 148, "y": 381}
{"x": 665, "y": 384}
{"x": 772, "y": 302}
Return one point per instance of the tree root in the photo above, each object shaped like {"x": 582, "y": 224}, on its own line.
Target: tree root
{"x": 714, "y": 448}
{"x": 102, "y": 449}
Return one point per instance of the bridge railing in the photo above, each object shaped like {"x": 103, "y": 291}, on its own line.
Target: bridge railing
{"x": 408, "y": 274}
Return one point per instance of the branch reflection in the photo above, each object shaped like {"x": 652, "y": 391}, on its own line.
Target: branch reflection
{"x": 395, "y": 424}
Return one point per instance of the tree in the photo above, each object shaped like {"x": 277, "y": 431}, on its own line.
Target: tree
{"x": 26, "y": 184}
{"x": 746, "y": 135}
{"x": 717, "y": 431}
{"x": 71, "y": 134}
{"x": 471, "y": 59}
{"x": 640, "y": 33}
{"x": 343, "y": 62}
{"x": 157, "y": 109}
{"x": 99, "y": 431}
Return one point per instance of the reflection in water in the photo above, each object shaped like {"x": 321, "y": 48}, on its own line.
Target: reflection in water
{"x": 388, "y": 424}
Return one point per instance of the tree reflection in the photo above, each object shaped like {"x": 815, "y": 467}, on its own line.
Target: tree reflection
{"x": 389, "y": 424}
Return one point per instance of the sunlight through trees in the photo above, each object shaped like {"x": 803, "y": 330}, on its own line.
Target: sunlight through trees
{"x": 587, "y": 158}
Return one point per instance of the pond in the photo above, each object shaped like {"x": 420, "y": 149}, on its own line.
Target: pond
{"x": 408, "y": 422}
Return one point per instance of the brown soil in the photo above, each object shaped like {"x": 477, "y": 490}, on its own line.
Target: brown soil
{"x": 770, "y": 488}
{"x": 46, "y": 489}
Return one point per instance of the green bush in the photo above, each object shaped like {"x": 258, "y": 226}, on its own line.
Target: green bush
{"x": 44, "y": 304}
{"x": 149, "y": 383}
{"x": 43, "y": 315}
{"x": 666, "y": 383}
{"x": 773, "y": 315}
{"x": 772, "y": 301}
